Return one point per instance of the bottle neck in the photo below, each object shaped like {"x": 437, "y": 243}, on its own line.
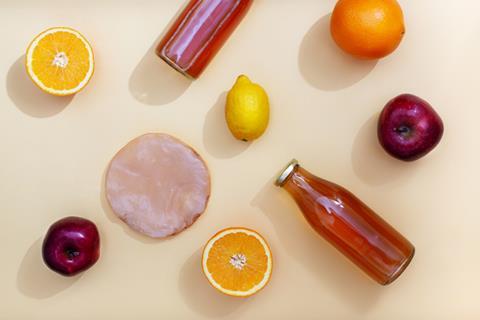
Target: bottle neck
{"x": 298, "y": 182}
{"x": 286, "y": 173}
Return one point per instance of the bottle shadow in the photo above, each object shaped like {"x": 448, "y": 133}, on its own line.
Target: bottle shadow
{"x": 35, "y": 280}
{"x": 199, "y": 295}
{"x": 370, "y": 162}
{"x": 217, "y": 138}
{"x": 107, "y": 209}
{"x": 154, "y": 82}
{"x": 324, "y": 65}
{"x": 334, "y": 271}
{"x": 28, "y": 98}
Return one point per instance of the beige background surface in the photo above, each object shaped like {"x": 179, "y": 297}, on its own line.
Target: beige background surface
{"x": 324, "y": 106}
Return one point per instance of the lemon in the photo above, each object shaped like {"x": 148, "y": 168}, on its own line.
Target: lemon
{"x": 247, "y": 110}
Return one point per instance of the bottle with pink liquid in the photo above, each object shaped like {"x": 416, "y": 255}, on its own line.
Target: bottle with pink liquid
{"x": 199, "y": 33}
{"x": 348, "y": 224}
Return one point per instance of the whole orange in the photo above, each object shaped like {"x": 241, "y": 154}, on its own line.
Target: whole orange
{"x": 367, "y": 29}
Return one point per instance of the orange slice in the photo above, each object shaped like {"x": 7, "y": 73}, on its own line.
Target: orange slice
{"x": 237, "y": 262}
{"x": 60, "y": 61}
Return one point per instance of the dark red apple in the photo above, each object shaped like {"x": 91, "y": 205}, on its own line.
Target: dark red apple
{"x": 71, "y": 245}
{"x": 409, "y": 128}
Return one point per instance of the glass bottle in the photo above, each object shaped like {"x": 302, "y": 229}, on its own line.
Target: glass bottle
{"x": 348, "y": 224}
{"x": 199, "y": 32}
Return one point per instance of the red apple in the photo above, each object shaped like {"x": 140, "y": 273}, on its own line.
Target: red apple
{"x": 71, "y": 245}
{"x": 409, "y": 128}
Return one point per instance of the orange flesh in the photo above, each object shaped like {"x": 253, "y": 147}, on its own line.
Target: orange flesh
{"x": 54, "y": 76}
{"x": 225, "y": 273}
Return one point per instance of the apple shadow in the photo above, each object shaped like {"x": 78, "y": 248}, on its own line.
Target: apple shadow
{"x": 199, "y": 295}
{"x": 154, "y": 82}
{"x": 217, "y": 138}
{"x": 370, "y": 162}
{"x": 35, "y": 280}
{"x": 115, "y": 219}
{"x": 324, "y": 65}
{"x": 341, "y": 277}
{"x": 28, "y": 98}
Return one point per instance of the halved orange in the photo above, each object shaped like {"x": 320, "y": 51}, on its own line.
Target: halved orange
{"x": 237, "y": 262}
{"x": 60, "y": 61}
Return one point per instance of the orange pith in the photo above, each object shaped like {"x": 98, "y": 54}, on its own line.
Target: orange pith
{"x": 60, "y": 61}
{"x": 237, "y": 261}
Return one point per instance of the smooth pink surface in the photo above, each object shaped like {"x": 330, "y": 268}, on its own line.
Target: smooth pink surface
{"x": 158, "y": 185}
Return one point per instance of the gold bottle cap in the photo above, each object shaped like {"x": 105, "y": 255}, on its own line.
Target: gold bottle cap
{"x": 285, "y": 173}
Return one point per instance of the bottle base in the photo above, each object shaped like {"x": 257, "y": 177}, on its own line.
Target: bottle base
{"x": 174, "y": 66}
{"x": 401, "y": 269}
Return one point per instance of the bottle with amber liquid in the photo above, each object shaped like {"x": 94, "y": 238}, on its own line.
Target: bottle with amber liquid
{"x": 199, "y": 32}
{"x": 348, "y": 224}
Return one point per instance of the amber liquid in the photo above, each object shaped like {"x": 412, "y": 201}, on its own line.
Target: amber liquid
{"x": 199, "y": 32}
{"x": 352, "y": 227}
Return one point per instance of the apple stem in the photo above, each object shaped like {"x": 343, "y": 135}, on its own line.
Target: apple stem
{"x": 72, "y": 253}
{"x": 404, "y": 131}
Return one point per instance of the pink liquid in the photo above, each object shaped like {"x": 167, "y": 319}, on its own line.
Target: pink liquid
{"x": 350, "y": 226}
{"x": 199, "y": 33}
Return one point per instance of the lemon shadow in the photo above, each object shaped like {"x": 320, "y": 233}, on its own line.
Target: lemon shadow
{"x": 30, "y": 99}
{"x": 324, "y": 65}
{"x": 200, "y": 296}
{"x": 338, "y": 275}
{"x": 217, "y": 139}
{"x": 35, "y": 280}
{"x": 371, "y": 163}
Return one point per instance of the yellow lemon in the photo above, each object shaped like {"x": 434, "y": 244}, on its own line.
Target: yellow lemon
{"x": 247, "y": 110}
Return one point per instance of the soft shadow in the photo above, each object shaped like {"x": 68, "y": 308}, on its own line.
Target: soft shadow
{"x": 339, "y": 276}
{"x": 35, "y": 280}
{"x": 115, "y": 219}
{"x": 28, "y": 98}
{"x": 217, "y": 138}
{"x": 154, "y": 82}
{"x": 199, "y": 295}
{"x": 324, "y": 65}
{"x": 370, "y": 162}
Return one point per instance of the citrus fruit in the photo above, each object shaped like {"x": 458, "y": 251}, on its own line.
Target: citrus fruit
{"x": 60, "y": 61}
{"x": 247, "y": 110}
{"x": 368, "y": 29}
{"x": 237, "y": 262}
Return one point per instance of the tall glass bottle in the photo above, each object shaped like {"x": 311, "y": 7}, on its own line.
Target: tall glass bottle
{"x": 199, "y": 32}
{"x": 348, "y": 224}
